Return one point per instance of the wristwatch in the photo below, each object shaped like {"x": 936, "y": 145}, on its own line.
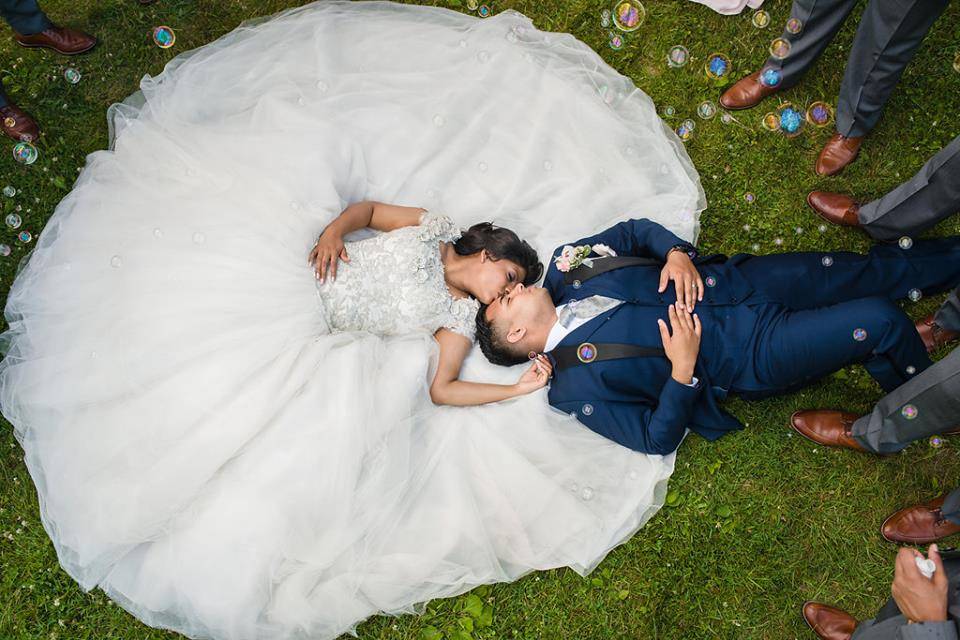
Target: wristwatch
{"x": 686, "y": 248}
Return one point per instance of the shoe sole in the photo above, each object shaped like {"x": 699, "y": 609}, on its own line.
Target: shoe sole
{"x": 46, "y": 46}
{"x": 749, "y": 106}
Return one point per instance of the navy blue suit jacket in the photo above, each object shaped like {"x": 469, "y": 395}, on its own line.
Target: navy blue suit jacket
{"x": 635, "y": 401}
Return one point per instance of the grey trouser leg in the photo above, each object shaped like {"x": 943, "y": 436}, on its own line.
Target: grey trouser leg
{"x": 935, "y": 395}
{"x": 948, "y": 315}
{"x": 889, "y": 33}
{"x": 24, "y": 16}
{"x": 951, "y": 506}
{"x": 919, "y": 203}
{"x": 821, "y": 19}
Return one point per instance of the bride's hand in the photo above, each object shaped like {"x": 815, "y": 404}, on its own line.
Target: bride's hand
{"x": 536, "y": 377}
{"x": 324, "y": 256}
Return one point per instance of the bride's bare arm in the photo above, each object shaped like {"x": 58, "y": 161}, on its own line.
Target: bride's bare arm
{"x": 447, "y": 388}
{"x": 367, "y": 213}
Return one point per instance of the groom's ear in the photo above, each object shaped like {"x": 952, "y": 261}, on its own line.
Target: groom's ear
{"x": 516, "y": 334}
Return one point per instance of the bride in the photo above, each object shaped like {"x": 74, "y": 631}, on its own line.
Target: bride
{"x": 217, "y": 440}
{"x": 401, "y": 283}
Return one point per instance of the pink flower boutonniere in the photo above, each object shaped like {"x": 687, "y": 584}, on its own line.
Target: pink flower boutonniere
{"x": 572, "y": 257}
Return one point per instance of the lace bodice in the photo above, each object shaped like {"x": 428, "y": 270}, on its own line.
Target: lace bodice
{"x": 394, "y": 284}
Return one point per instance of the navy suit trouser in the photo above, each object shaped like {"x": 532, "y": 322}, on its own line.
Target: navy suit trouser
{"x": 821, "y": 311}
{"x": 24, "y": 16}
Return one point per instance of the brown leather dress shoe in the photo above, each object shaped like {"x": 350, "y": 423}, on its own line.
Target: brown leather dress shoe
{"x": 746, "y": 93}
{"x": 835, "y": 207}
{"x": 18, "y": 124}
{"x": 837, "y": 154}
{"x": 827, "y": 427}
{"x": 933, "y": 335}
{"x": 829, "y": 623}
{"x": 63, "y": 40}
{"x": 919, "y": 524}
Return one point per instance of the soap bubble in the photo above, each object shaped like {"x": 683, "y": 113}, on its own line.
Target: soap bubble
{"x": 71, "y": 75}
{"x": 164, "y": 37}
{"x": 9, "y": 191}
{"x": 859, "y": 334}
{"x": 914, "y": 295}
{"x": 473, "y": 4}
{"x": 761, "y": 19}
{"x": 780, "y": 48}
{"x": 24, "y": 236}
{"x": 116, "y": 261}
{"x": 717, "y": 66}
{"x": 770, "y": 122}
{"x": 13, "y": 220}
{"x": 911, "y": 370}
{"x": 909, "y": 411}
{"x": 819, "y": 114}
{"x": 605, "y": 18}
{"x": 794, "y": 26}
{"x": 9, "y": 122}
{"x": 778, "y": 241}
{"x": 677, "y": 56}
{"x": 483, "y": 11}
{"x": 822, "y": 228}
{"x": 25, "y": 153}
{"x": 727, "y": 118}
{"x": 791, "y": 121}
{"x": 685, "y": 130}
{"x": 771, "y": 77}
{"x": 749, "y": 197}
{"x": 587, "y": 493}
{"x": 826, "y": 261}
{"x": 755, "y": 247}
{"x": 706, "y": 110}
{"x": 936, "y": 442}
{"x": 668, "y": 111}
{"x": 4, "y": 250}
{"x": 906, "y": 242}
{"x": 616, "y": 41}
{"x": 628, "y": 15}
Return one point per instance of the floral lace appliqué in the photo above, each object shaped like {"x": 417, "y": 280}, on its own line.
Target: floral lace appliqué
{"x": 394, "y": 284}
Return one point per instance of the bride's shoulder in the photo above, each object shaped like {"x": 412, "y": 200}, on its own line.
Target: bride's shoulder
{"x": 435, "y": 225}
{"x": 463, "y": 314}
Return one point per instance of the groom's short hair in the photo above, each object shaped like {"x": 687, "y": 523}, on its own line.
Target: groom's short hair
{"x": 493, "y": 343}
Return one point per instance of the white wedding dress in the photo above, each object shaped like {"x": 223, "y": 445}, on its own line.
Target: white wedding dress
{"x": 216, "y": 448}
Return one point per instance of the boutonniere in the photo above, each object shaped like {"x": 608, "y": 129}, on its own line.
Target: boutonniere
{"x": 572, "y": 257}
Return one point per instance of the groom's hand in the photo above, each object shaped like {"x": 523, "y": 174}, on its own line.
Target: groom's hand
{"x": 680, "y": 269}
{"x": 683, "y": 345}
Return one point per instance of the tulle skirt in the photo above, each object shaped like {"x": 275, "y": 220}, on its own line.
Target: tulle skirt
{"x": 204, "y": 448}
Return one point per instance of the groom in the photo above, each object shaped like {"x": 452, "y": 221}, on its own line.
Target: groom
{"x": 761, "y": 325}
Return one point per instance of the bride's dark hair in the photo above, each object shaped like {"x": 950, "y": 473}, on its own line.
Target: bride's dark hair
{"x": 501, "y": 243}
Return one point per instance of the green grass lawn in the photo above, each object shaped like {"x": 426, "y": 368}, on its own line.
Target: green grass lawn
{"x": 759, "y": 522}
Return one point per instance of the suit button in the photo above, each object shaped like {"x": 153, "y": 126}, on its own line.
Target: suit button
{"x": 710, "y": 281}
{"x": 587, "y": 409}
{"x": 576, "y": 284}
